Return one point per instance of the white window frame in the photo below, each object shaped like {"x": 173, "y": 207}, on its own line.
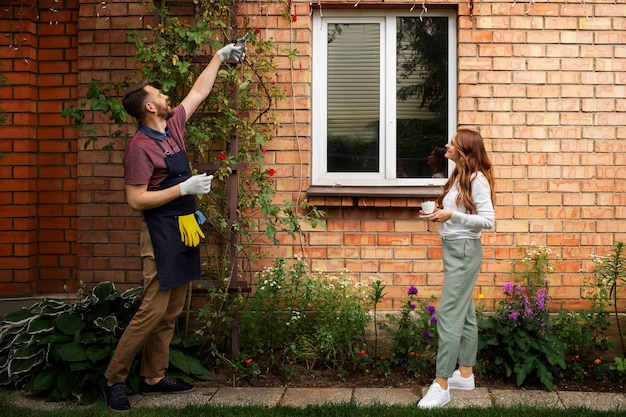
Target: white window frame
{"x": 386, "y": 176}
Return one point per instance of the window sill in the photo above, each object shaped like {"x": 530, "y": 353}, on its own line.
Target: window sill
{"x": 396, "y": 196}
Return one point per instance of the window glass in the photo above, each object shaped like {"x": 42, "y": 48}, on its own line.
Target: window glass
{"x": 353, "y": 97}
{"x": 421, "y": 97}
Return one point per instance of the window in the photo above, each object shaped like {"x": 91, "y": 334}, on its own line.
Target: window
{"x": 384, "y": 96}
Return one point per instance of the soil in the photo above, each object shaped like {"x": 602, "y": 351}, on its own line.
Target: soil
{"x": 397, "y": 378}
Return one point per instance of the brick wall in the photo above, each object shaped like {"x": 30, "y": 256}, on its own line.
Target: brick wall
{"x": 544, "y": 83}
{"x": 38, "y": 172}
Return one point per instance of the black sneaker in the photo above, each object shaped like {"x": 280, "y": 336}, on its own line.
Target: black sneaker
{"x": 167, "y": 385}
{"x": 117, "y": 397}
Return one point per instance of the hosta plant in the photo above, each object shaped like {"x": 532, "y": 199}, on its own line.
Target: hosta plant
{"x": 60, "y": 348}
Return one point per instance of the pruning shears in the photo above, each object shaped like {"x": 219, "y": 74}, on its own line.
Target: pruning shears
{"x": 242, "y": 41}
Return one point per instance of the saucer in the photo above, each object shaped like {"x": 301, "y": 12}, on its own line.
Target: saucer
{"x": 425, "y": 216}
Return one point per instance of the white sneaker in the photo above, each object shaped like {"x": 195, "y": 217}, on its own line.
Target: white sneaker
{"x": 435, "y": 397}
{"x": 460, "y": 383}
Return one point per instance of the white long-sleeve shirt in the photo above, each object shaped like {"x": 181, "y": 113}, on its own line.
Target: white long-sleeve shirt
{"x": 463, "y": 225}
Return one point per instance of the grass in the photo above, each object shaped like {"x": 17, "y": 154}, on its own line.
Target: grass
{"x": 7, "y": 409}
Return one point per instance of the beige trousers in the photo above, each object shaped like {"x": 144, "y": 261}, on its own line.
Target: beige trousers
{"x": 152, "y": 326}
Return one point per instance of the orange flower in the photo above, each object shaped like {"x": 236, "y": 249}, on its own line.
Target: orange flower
{"x": 249, "y": 361}
{"x": 597, "y": 361}
{"x": 362, "y": 352}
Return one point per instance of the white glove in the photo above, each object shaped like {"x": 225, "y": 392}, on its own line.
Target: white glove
{"x": 196, "y": 184}
{"x": 231, "y": 53}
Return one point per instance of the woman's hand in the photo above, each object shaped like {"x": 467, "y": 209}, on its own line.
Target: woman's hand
{"x": 440, "y": 216}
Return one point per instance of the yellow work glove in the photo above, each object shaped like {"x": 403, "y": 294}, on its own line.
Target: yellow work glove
{"x": 190, "y": 232}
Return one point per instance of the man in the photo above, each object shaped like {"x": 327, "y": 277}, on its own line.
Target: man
{"x": 159, "y": 184}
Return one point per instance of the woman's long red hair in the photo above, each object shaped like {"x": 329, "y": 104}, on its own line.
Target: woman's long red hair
{"x": 473, "y": 158}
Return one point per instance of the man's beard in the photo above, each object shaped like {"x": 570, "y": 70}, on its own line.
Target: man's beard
{"x": 165, "y": 112}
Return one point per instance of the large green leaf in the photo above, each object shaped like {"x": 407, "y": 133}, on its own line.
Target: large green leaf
{"x": 44, "y": 380}
{"x": 27, "y": 352}
{"x": 20, "y": 366}
{"x": 69, "y": 323}
{"x": 189, "y": 364}
{"x": 40, "y": 324}
{"x": 65, "y": 382}
{"x": 50, "y": 307}
{"x": 55, "y": 338}
{"x": 109, "y": 323}
{"x": 96, "y": 353}
{"x": 18, "y": 316}
{"x": 179, "y": 360}
{"x": 103, "y": 290}
{"x": 79, "y": 366}
{"x": 71, "y": 352}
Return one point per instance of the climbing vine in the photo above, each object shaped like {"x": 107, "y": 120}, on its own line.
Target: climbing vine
{"x": 240, "y": 107}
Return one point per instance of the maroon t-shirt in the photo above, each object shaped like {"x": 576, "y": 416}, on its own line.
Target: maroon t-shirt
{"x": 144, "y": 161}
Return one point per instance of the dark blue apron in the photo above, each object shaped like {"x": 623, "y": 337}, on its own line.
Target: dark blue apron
{"x": 177, "y": 264}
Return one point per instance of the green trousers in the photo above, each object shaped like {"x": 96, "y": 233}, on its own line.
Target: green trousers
{"x": 456, "y": 315}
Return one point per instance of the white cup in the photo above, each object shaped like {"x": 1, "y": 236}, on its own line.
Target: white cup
{"x": 428, "y": 207}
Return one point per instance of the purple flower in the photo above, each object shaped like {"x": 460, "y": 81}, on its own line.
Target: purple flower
{"x": 528, "y": 312}
{"x": 507, "y": 287}
{"x": 433, "y": 319}
{"x": 412, "y": 290}
{"x": 513, "y": 315}
{"x": 430, "y": 309}
{"x": 412, "y": 306}
{"x": 540, "y": 299}
{"x": 426, "y": 334}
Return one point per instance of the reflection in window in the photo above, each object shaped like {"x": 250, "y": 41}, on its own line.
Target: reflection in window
{"x": 421, "y": 97}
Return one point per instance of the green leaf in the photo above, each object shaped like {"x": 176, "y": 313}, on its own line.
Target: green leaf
{"x": 96, "y": 353}
{"x": 65, "y": 383}
{"x": 72, "y": 352}
{"x": 179, "y": 360}
{"x": 79, "y": 366}
{"x": 44, "y": 380}
{"x": 40, "y": 325}
{"x": 108, "y": 323}
{"x": 27, "y": 352}
{"x": 18, "y": 366}
{"x": 51, "y": 307}
{"x": 69, "y": 323}
{"x": 18, "y": 316}
{"x": 103, "y": 290}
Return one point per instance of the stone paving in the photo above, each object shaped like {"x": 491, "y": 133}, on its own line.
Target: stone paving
{"x": 302, "y": 397}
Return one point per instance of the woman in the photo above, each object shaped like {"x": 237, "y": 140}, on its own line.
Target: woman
{"x": 467, "y": 201}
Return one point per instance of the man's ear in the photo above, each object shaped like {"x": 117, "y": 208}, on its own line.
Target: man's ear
{"x": 150, "y": 108}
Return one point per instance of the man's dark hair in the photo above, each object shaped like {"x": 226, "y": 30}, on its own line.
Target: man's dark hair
{"x": 134, "y": 100}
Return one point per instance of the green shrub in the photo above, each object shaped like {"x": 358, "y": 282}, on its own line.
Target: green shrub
{"x": 299, "y": 317}
{"x": 60, "y": 348}
{"x": 516, "y": 338}
{"x": 414, "y": 334}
